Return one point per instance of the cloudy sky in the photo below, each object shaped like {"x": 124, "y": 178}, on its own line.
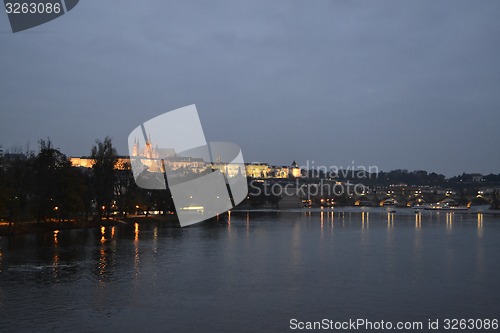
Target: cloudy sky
{"x": 396, "y": 84}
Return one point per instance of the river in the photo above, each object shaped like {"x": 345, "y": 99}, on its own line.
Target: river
{"x": 254, "y": 273}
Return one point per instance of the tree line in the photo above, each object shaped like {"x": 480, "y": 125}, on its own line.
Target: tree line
{"x": 44, "y": 186}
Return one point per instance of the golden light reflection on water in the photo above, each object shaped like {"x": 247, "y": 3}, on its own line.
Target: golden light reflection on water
{"x": 480, "y": 267}
{"x": 365, "y": 224}
{"x": 418, "y": 220}
{"x": 417, "y": 248}
{"x": 390, "y": 220}
{"x": 101, "y": 266}
{"x": 449, "y": 220}
{"x": 332, "y": 221}
{"x": 365, "y": 220}
{"x": 480, "y": 229}
{"x": 55, "y": 256}
{"x": 229, "y": 221}
{"x": 103, "y": 232}
{"x": 55, "y": 265}
{"x": 322, "y": 222}
{"x": 56, "y": 240}
{"x": 136, "y": 250}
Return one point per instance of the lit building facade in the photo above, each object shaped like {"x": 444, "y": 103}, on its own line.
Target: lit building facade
{"x": 158, "y": 159}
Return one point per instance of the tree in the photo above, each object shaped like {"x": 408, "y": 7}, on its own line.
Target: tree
{"x": 495, "y": 203}
{"x": 15, "y": 179}
{"x": 49, "y": 169}
{"x": 104, "y": 155}
{"x": 124, "y": 187}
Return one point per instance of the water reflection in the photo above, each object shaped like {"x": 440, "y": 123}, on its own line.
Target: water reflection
{"x": 332, "y": 222}
{"x": 103, "y": 238}
{"x": 55, "y": 257}
{"x": 247, "y": 224}
{"x": 480, "y": 249}
{"x": 322, "y": 222}
{"x": 343, "y": 217}
{"x": 390, "y": 220}
{"x": 56, "y": 239}
{"x": 418, "y": 220}
{"x": 136, "y": 232}
{"x": 136, "y": 250}
{"x": 480, "y": 224}
{"x": 365, "y": 220}
{"x": 449, "y": 221}
{"x": 296, "y": 249}
{"x": 365, "y": 223}
{"x": 102, "y": 265}
{"x": 155, "y": 242}
{"x": 308, "y": 215}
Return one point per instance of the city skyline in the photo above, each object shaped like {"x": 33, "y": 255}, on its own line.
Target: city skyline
{"x": 409, "y": 85}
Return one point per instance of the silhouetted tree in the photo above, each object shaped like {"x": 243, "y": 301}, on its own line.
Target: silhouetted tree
{"x": 16, "y": 185}
{"x": 103, "y": 177}
{"x": 495, "y": 204}
{"x": 49, "y": 168}
{"x": 124, "y": 187}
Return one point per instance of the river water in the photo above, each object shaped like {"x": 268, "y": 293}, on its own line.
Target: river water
{"x": 254, "y": 273}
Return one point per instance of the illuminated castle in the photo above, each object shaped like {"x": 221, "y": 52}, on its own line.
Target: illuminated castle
{"x": 154, "y": 157}
{"x": 150, "y": 154}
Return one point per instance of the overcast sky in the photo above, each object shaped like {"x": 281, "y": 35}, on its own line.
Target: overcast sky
{"x": 396, "y": 84}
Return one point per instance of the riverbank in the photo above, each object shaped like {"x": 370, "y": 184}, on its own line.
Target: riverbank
{"x": 171, "y": 219}
{"x": 14, "y": 228}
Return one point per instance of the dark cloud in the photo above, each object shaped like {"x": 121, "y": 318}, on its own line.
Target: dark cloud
{"x": 413, "y": 84}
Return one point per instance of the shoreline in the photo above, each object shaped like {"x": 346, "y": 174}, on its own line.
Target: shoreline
{"x": 18, "y": 228}
{"x": 34, "y": 227}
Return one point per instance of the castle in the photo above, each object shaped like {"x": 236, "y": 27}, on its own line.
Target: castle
{"x": 158, "y": 159}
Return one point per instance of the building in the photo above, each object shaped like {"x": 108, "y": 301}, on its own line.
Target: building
{"x": 258, "y": 170}
{"x": 158, "y": 159}
{"x": 154, "y": 158}
{"x": 477, "y": 177}
{"x": 230, "y": 170}
{"x": 264, "y": 170}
